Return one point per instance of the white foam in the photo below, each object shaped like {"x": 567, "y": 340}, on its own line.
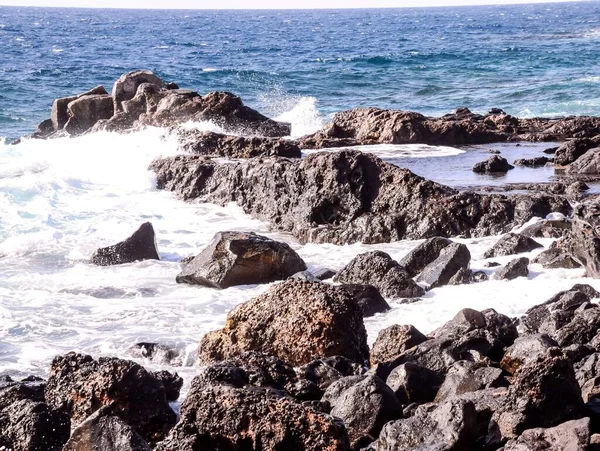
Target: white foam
{"x": 304, "y": 117}
{"x": 391, "y": 151}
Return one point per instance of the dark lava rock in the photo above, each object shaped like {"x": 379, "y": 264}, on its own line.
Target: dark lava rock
{"x": 81, "y": 385}
{"x": 573, "y": 149}
{"x": 587, "y": 164}
{"x": 347, "y": 197}
{"x": 526, "y": 348}
{"x": 27, "y": 423}
{"x": 107, "y": 432}
{"x": 494, "y": 164}
{"x": 582, "y": 328}
{"x": 555, "y": 313}
{"x": 452, "y": 259}
{"x": 467, "y": 276}
{"x": 451, "y": 425}
{"x": 424, "y": 254}
{"x": 515, "y": 268}
{"x": 324, "y": 274}
{"x": 368, "y": 298}
{"x": 583, "y": 243}
{"x": 172, "y": 383}
{"x": 380, "y": 270}
{"x": 230, "y": 146}
{"x": 364, "y": 407}
{"x": 465, "y": 377}
{"x": 413, "y": 383}
{"x": 492, "y": 265}
{"x": 556, "y": 258}
{"x": 305, "y": 276}
{"x": 393, "y": 341}
{"x": 510, "y": 244}
{"x": 547, "y": 229}
{"x": 571, "y": 435}
{"x": 533, "y": 162}
{"x": 550, "y": 150}
{"x": 325, "y": 372}
{"x": 295, "y": 321}
{"x": 241, "y": 258}
{"x": 228, "y": 418}
{"x": 139, "y": 246}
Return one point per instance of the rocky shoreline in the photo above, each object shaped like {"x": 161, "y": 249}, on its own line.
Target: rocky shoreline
{"x": 291, "y": 368}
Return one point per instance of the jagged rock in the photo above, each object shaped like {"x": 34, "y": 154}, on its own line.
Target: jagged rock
{"x": 60, "y": 113}
{"x": 494, "y": 164}
{"x": 525, "y": 349}
{"x": 576, "y": 189}
{"x": 380, "y": 270}
{"x": 554, "y": 313}
{"x": 512, "y": 243}
{"x": 104, "y": 431}
{"x": 413, "y": 383}
{"x": 295, "y": 321}
{"x": 80, "y": 385}
{"x": 588, "y": 368}
{"x": 157, "y": 353}
{"x": 587, "y": 164}
{"x": 556, "y": 258}
{"x": 571, "y": 435}
{"x": 172, "y": 383}
{"x": 515, "y": 268}
{"x": 305, "y": 276}
{"x": 582, "y": 328}
{"x": 465, "y": 377}
{"x": 85, "y": 111}
{"x": 583, "y": 243}
{"x": 347, "y": 197}
{"x": 325, "y": 372}
{"x": 225, "y": 417}
{"x": 533, "y": 162}
{"x": 364, "y": 407}
{"x": 324, "y": 274}
{"x": 216, "y": 144}
{"x": 241, "y": 258}
{"x": 424, "y": 254}
{"x": 368, "y": 298}
{"x": 467, "y": 276}
{"x": 27, "y": 423}
{"x": 139, "y": 246}
{"x": 550, "y": 150}
{"x": 126, "y": 87}
{"x": 573, "y": 149}
{"x": 547, "y": 229}
{"x": 452, "y": 259}
{"x": 451, "y": 425}
{"x": 393, "y": 341}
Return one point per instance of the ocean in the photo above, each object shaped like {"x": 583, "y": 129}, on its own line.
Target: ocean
{"x": 62, "y": 199}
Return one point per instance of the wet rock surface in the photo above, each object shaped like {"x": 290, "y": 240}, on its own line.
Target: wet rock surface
{"x": 139, "y": 246}
{"x": 519, "y": 267}
{"x": 512, "y": 243}
{"x": 451, "y": 260}
{"x": 493, "y": 165}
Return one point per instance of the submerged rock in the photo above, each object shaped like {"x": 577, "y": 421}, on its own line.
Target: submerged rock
{"x": 295, "y": 321}
{"x": 494, "y": 164}
{"x": 139, "y": 246}
{"x": 519, "y": 267}
{"x": 450, "y": 261}
{"x": 241, "y": 258}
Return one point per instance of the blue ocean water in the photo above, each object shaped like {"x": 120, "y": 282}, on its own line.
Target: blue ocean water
{"x": 539, "y": 59}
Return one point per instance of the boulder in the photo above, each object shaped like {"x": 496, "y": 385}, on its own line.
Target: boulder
{"x": 364, "y": 407}
{"x": 466, "y": 377}
{"x": 86, "y": 111}
{"x": 412, "y": 383}
{"x": 515, "y": 268}
{"x": 393, "y": 341}
{"x": 60, "y": 112}
{"x": 241, "y": 258}
{"x": 493, "y": 165}
{"x": 326, "y": 371}
{"x": 424, "y": 254}
{"x": 104, "y": 431}
{"x": 583, "y": 243}
{"x": 139, "y": 246}
{"x": 576, "y": 189}
{"x": 295, "y": 321}
{"x": 547, "y": 228}
{"x": 510, "y": 244}
{"x": 533, "y": 162}
{"x": 582, "y": 328}
{"x": 526, "y": 349}
{"x": 466, "y": 276}
{"x": 225, "y": 417}
{"x": 573, "y": 149}
{"x": 380, "y": 270}
{"x": 80, "y": 385}
{"x": 571, "y": 435}
{"x": 126, "y": 87}
{"x": 554, "y": 313}
{"x": 587, "y": 164}
{"x": 348, "y": 197}
{"x": 451, "y": 260}
{"x": 368, "y": 298}
{"x": 556, "y": 258}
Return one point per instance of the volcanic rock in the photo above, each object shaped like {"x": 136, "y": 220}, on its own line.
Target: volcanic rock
{"x": 512, "y": 243}
{"x": 494, "y": 164}
{"x": 515, "y": 268}
{"x": 450, "y": 261}
{"x": 393, "y": 341}
{"x": 139, "y": 246}
{"x": 424, "y": 254}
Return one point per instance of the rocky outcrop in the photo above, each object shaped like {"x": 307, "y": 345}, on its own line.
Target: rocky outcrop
{"x": 348, "y": 196}
{"x": 295, "y": 321}
{"x": 519, "y": 267}
{"x": 380, "y": 270}
{"x": 583, "y": 243}
{"x": 573, "y": 149}
{"x": 493, "y": 165}
{"x": 533, "y": 162}
{"x": 86, "y": 111}
{"x": 80, "y": 385}
{"x": 587, "y": 164}
{"x": 452, "y": 259}
{"x": 139, "y": 246}
{"x": 571, "y": 435}
{"x": 60, "y": 108}
{"x": 241, "y": 258}
{"x": 510, "y": 244}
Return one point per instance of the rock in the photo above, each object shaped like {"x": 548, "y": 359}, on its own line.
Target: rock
{"x": 467, "y": 276}
{"x": 216, "y": 144}
{"x": 533, "y": 162}
{"x": 571, "y": 435}
{"x": 452, "y": 259}
{"x": 86, "y": 111}
{"x": 139, "y": 246}
{"x": 492, "y": 264}
{"x": 393, "y": 341}
{"x": 325, "y": 372}
{"x": 547, "y": 228}
{"x": 305, "y": 276}
{"x": 380, "y": 270}
{"x": 556, "y": 258}
{"x": 525, "y": 349}
{"x": 412, "y": 383}
{"x": 572, "y": 150}
{"x": 295, "y": 321}
{"x": 583, "y": 243}
{"x": 365, "y": 407}
{"x": 126, "y": 87}
{"x": 60, "y": 113}
{"x": 260, "y": 419}
{"x": 104, "y": 431}
{"x": 466, "y": 377}
{"x": 368, "y": 298}
{"x": 512, "y": 243}
{"x": 587, "y": 164}
{"x": 324, "y": 274}
{"x": 494, "y": 164}
{"x": 576, "y": 189}
{"x": 550, "y": 150}
{"x": 515, "y": 268}
{"x": 554, "y": 313}
{"x": 582, "y": 328}
{"x": 241, "y": 258}
{"x": 157, "y": 353}
{"x": 449, "y": 426}
{"x": 172, "y": 383}
{"x": 27, "y": 423}
{"x": 81, "y": 385}
{"x": 424, "y": 254}
{"x": 348, "y": 197}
